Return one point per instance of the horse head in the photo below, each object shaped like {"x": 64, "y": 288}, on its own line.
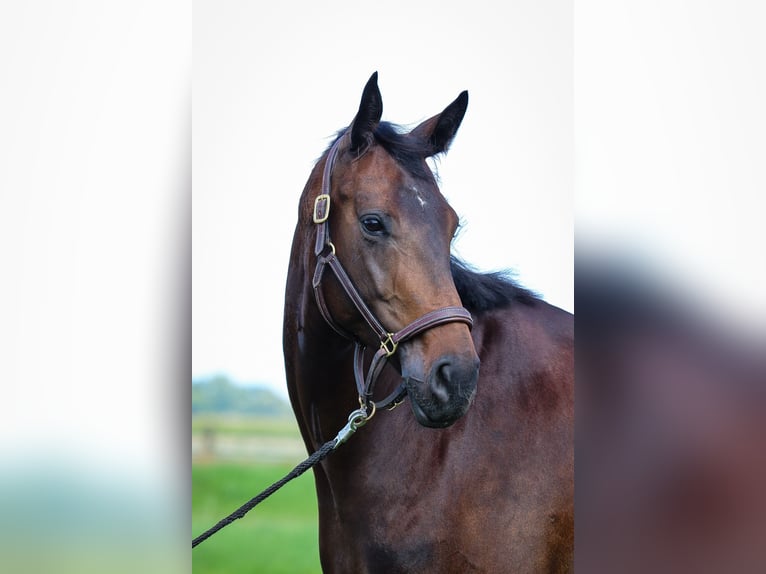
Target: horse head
{"x": 391, "y": 229}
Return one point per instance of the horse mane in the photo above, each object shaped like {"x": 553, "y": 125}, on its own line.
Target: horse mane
{"x": 407, "y": 151}
{"x": 481, "y": 292}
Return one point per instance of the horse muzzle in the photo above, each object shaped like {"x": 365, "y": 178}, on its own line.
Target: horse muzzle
{"x": 447, "y": 391}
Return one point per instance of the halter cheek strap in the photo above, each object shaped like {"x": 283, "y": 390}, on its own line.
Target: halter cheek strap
{"x": 389, "y": 341}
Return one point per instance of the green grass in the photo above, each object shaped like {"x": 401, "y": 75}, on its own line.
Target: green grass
{"x": 279, "y": 536}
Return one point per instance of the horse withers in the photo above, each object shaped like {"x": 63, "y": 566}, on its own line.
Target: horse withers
{"x": 476, "y": 475}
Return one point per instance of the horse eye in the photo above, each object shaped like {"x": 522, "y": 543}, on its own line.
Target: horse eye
{"x": 373, "y": 224}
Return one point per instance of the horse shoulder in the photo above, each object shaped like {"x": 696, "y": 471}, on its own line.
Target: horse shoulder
{"x": 527, "y": 342}
{"x": 525, "y": 401}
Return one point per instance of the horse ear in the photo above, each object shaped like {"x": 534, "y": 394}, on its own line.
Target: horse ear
{"x": 368, "y": 116}
{"x": 440, "y": 130}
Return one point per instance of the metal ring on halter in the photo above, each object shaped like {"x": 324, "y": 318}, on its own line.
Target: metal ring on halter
{"x": 365, "y": 405}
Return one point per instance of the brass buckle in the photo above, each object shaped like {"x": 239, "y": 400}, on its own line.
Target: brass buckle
{"x": 388, "y": 345}
{"x": 321, "y": 208}
{"x": 395, "y": 404}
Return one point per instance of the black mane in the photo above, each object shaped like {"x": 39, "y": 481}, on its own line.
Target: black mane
{"x": 486, "y": 291}
{"x": 407, "y": 151}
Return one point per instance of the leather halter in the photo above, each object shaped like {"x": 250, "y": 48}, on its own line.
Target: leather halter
{"x": 325, "y": 254}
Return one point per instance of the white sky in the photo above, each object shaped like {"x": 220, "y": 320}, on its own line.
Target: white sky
{"x": 269, "y": 89}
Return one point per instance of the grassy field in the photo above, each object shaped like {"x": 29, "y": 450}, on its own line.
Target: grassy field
{"x": 279, "y": 536}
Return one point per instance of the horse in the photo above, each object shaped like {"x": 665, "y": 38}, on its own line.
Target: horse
{"x": 477, "y": 475}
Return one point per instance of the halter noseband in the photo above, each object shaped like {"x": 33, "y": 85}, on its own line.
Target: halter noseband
{"x": 325, "y": 254}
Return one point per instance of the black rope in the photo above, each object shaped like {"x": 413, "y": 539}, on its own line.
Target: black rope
{"x": 326, "y": 449}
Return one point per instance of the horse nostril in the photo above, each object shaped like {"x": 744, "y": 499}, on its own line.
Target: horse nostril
{"x": 441, "y": 380}
{"x": 444, "y": 372}
{"x": 452, "y": 377}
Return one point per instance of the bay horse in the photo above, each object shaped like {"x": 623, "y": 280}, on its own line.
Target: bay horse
{"x": 477, "y": 474}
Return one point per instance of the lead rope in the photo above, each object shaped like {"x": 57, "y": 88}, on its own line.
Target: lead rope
{"x": 356, "y": 419}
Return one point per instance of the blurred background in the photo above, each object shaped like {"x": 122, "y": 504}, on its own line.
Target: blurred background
{"x": 670, "y": 287}
{"x": 95, "y": 299}
{"x": 644, "y": 124}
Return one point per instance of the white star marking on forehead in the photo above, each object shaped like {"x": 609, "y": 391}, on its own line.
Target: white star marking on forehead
{"x": 420, "y": 199}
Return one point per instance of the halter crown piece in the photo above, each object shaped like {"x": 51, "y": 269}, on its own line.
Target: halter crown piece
{"x": 389, "y": 341}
